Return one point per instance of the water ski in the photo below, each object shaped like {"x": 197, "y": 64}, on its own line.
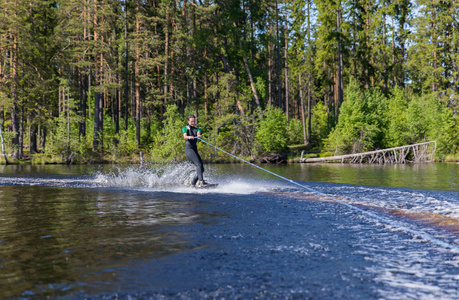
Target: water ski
{"x": 207, "y": 186}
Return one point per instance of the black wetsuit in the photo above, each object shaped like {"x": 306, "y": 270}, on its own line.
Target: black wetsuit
{"x": 191, "y": 151}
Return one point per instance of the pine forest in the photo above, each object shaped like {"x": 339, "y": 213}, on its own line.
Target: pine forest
{"x": 86, "y": 81}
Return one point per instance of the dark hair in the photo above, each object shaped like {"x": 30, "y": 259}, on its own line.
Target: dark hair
{"x": 190, "y": 117}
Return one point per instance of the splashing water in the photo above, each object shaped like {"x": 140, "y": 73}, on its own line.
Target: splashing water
{"x": 176, "y": 178}
{"x": 164, "y": 176}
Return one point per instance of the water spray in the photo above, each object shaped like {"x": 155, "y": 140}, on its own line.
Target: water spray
{"x": 425, "y": 236}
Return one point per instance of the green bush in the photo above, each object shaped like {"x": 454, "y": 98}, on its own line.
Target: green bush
{"x": 223, "y": 133}
{"x": 295, "y": 132}
{"x": 234, "y": 134}
{"x": 428, "y": 119}
{"x": 369, "y": 121}
{"x": 169, "y": 144}
{"x": 397, "y": 133}
{"x": 362, "y": 121}
{"x": 320, "y": 128}
{"x": 415, "y": 119}
{"x": 272, "y": 130}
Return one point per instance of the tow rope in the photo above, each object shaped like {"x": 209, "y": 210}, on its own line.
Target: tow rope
{"x": 368, "y": 213}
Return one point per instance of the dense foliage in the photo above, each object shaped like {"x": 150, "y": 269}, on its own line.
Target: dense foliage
{"x": 82, "y": 80}
{"x": 272, "y": 131}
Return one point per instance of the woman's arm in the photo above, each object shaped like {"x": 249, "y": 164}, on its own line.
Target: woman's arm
{"x": 187, "y": 137}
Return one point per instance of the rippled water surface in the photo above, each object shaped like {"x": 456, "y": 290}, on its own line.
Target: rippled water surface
{"x": 354, "y": 232}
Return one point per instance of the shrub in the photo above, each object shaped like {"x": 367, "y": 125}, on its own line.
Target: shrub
{"x": 272, "y": 130}
{"x": 428, "y": 119}
{"x": 362, "y": 121}
{"x": 169, "y": 144}
{"x": 319, "y": 123}
{"x": 295, "y": 132}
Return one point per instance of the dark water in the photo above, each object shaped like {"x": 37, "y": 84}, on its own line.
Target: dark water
{"x": 137, "y": 233}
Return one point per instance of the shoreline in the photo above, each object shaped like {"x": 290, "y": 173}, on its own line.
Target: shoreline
{"x": 138, "y": 161}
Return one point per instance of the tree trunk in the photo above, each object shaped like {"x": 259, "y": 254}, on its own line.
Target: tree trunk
{"x": 84, "y": 77}
{"x": 303, "y": 118}
{"x": 21, "y": 132}
{"x": 228, "y": 66}
{"x": 80, "y": 102}
{"x": 393, "y": 54}
{"x": 137, "y": 76}
{"x": 270, "y": 71}
{"x": 339, "y": 75}
{"x": 33, "y": 138}
{"x": 454, "y": 48}
{"x": 252, "y": 83}
{"x": 67, "y": 158}
{"x": 158, "y": 71}
{"x": 286, "y": 68}
{"x": 126, "y": 70}
{"x": 172, "y": 95}
{"x": 97, "y": 138}
{"x": 434, "y": 52}
{"x": 385, "y": 54}
{"x": 279, "y": 89}
{"x": 309, "y": 109}
{"x": 2, "y": 140}
{"x": 14, "y": 112}
{"x": 33, "y": 130}
{"x": 166, "y": 54}
{"x": 83, "y": 103}
{"x": 117, "y": 96}
{"x": 206, "y": 100}
{"x": 44, "y": 136}
{"x": 309, "y": 77}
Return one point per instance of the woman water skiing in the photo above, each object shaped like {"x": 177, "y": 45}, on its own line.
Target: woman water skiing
{"x": 190, "y": 133}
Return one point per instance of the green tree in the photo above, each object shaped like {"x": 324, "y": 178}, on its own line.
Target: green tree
{"x": 295, "y": 132}
{"x": 27, "y": 71}
{"x": 272, "y": 130}
{"x": 432, "y": 60}
{"x": 331, "y": 44}
{"x": 169, "y": 145}
{"x": 397, "y": 130}
{"x": 428, "y": 120}
{"x": 320, "y": 124}
{"x": 302, "y": 56}
{"x": 362, "y": 122}
{"x": 99, "y": 61}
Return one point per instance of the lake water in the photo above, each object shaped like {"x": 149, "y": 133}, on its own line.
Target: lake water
{"x": 129, "y": 232}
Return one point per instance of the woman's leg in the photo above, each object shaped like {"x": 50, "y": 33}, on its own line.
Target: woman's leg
{"x": 197, "y": 161}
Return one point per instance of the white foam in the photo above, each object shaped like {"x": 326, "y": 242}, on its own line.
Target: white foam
{"x": 241, "y": 187}
{"x": 397, "y": 199}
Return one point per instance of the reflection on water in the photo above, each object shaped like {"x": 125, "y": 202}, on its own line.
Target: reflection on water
{"x": 52, "y": 235}
{"x": 84, "y": 231}
{"x": 432, "y": 176}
